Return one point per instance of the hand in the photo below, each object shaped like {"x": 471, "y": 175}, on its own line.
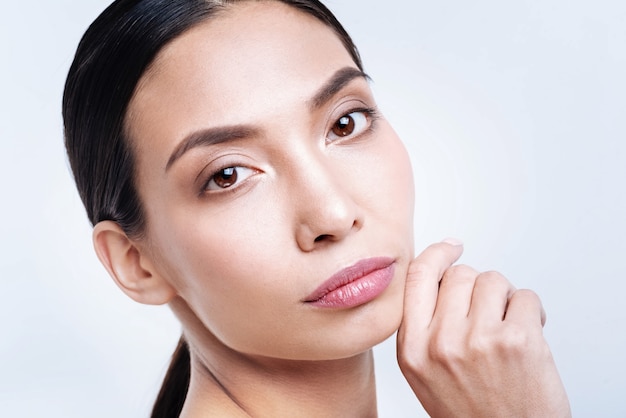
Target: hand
{"x": 471, "y": 345}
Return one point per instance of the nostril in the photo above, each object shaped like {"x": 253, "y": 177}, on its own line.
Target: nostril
{"x": 322, "y": 237}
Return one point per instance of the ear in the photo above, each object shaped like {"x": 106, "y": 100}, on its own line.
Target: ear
{"x": 131, "y": 269}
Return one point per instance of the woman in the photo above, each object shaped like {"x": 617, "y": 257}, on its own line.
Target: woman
{"x": 234, "y": 164}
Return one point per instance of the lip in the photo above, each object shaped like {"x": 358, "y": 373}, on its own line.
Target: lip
{"x": 354, "y": 285}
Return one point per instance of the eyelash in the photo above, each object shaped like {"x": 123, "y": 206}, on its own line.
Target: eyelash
{"x": 371, "y": 116}
{"x": 236, "y": 169}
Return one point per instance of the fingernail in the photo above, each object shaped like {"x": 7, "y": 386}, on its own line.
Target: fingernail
{"x": 453, "y": 241}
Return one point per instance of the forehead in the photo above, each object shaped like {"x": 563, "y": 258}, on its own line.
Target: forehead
{"x": 239, "y": 66}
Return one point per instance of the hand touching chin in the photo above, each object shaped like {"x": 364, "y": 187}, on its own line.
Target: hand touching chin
{"x": 471, "y": 345}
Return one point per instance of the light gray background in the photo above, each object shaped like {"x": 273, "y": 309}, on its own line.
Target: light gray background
{"x": 514, "y": 114}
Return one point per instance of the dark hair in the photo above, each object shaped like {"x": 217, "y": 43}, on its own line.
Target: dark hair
{"x": 111, "y": 58}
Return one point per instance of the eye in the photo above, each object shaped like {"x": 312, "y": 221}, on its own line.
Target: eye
{"x": 228, "y": 177}
{"x": 353, "y": 123}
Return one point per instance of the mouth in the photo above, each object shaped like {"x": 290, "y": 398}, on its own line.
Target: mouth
{"x": 354, "y": 285}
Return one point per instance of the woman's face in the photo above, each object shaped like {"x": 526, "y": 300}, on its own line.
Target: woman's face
{"x": 265, "y": 169}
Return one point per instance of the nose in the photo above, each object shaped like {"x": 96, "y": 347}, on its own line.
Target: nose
{"x": 326, "y": 211}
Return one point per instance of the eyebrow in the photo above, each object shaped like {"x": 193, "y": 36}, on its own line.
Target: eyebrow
{"x": 210, "y": 136}
{"x": 337, "y": 82}
{"x": 218, "y": 135}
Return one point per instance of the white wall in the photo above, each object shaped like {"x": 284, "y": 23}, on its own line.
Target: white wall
{"x": 514, "y": 113}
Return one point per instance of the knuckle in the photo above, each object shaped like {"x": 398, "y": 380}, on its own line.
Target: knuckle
{"x": 494, "y": 279}
{"x": 411, "y": 360}
{"x": 445, "y": 350}
{"x": 513, "y": 341}
{"x": 493, "y": 276}
{"x": 480, "y": 345}
{"x": 528, "y": 295}
{"x": 410, "y": 352}
{"x": 460, "y": 272}
{"x": 501, "y": 342}
{"x": 528, "y": 301}
{"x": 418, "y": 269}
{"x": 493, "y": 273}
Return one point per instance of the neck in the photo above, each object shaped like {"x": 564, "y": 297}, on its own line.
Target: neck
{"x": 250, "y": 386}
{"x": 228, "y": 383}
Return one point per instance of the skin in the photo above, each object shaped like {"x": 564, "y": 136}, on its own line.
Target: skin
{"x": 237, "y": 263}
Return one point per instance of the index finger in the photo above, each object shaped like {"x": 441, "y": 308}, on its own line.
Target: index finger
{"x": 422, "y": 282}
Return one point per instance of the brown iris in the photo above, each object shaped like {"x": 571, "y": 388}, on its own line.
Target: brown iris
{"x": 344, "y": 126}
{"x": 225, "y": 177}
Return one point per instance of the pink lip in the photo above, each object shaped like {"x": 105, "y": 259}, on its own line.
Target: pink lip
{"x": 354, "y": 285}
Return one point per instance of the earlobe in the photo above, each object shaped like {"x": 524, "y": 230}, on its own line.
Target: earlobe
{"x": 130, "y": 268}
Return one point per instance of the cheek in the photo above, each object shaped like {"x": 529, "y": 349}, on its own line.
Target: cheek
{"x": 399, "y": 177}
{"x": 219, "y": 256}
{"x": 387, "y": 185}
{"x": 225, "y": 269}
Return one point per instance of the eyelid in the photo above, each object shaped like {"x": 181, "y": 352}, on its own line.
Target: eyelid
{"x": 251, "y": 172}
{"x": 371, "y": 115}
{"x": 212, "y": 168}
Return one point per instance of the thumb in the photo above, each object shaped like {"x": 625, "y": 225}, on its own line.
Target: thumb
{"x": 422, "y": 282}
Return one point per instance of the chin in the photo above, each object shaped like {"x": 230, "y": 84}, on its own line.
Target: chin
{"x": 368, "y": 325}
{"x": 360, "y": 332}
{"x": 358, "y": 345}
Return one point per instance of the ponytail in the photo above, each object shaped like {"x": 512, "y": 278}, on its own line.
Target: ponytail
{"x": 169, "y": 402}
